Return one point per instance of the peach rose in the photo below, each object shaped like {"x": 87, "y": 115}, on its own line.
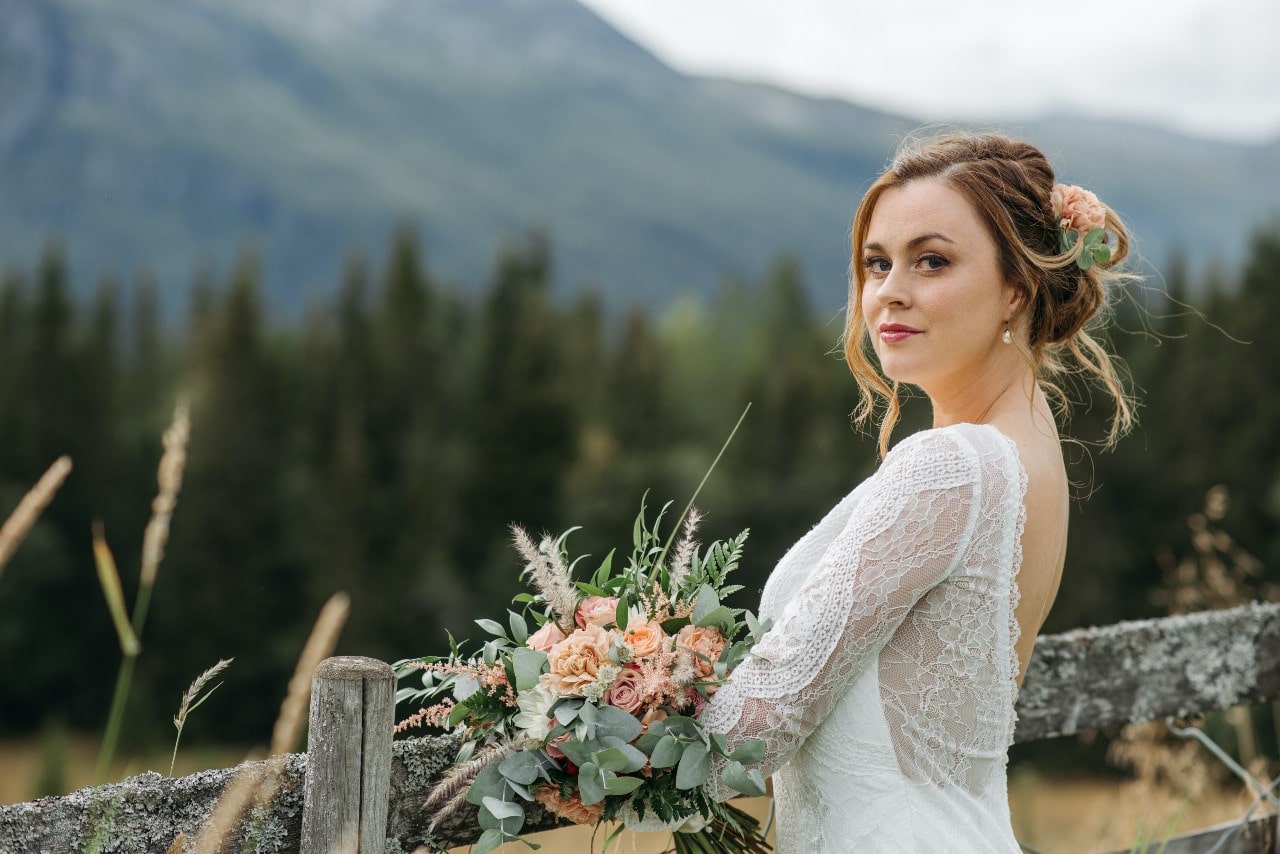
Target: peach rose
{"x": 703, "y": 641}
{"x": 626, "y": 693}
{"x": 573, "y": 808}
{"x": 575, "y": 662}
{"x": 645, "y": 638}
{"x": 546, "y": 637}
{"x": 597, "y": 611}
{"x": 651, "y": 716}
{"x": 1077, "y": 209}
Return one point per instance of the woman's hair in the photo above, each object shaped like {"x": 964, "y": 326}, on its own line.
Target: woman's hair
{"x": 1009, "y": 184}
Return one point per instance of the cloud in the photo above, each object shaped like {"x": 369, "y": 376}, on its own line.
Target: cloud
{"x": 1206, "y": 66}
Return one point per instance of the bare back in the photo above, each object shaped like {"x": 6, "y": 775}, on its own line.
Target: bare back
{"x": 1044, "y": 539}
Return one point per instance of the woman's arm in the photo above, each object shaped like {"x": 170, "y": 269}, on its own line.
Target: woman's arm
{"x": 902, "y": 541}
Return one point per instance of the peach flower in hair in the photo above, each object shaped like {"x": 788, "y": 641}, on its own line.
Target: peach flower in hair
{"x": 1077, "y": 209}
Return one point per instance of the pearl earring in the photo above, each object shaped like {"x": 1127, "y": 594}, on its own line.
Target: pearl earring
{"x": 1007, "y": 337}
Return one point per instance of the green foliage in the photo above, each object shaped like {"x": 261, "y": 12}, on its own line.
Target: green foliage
{"x": 383, "y": 445}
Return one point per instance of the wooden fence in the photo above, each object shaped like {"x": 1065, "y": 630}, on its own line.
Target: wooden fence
{"x": 358, "y": 791}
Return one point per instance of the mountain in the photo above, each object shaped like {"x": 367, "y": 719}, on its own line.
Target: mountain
{"x": 166, "y": 134}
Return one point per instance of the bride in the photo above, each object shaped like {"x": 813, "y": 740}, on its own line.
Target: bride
{"x": 903, "y": 622}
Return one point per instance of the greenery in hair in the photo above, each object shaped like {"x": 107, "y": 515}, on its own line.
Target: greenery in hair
{"x": 1093, "y": 248}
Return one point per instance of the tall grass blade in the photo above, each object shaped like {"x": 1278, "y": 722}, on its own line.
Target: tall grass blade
{"x": 19, "y": 523}
{"x": 192, "y": 700}
{"x": 675, "y": 529}
{"x": 319, "y": 646}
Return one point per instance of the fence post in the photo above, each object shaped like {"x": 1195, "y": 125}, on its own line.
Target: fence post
{"x": 348, "y": 782}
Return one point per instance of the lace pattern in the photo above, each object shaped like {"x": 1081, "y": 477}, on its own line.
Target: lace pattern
{"x": 884, "y": 693}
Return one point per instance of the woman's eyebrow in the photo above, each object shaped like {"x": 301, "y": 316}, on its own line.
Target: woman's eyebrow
{"x": 912, "y": 243}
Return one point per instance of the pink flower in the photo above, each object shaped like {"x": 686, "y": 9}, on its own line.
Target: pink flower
{"x": 645, "y": 638}
{"x": 699, "y": 702}
{"x": 707, "y": 643}
{"x": 597, "y": 611}
{"x": 575, "y": 662}
{"x": 626, "y": 692}
{"x": 546, "y": 637}
{"x": 1077, "y": 209}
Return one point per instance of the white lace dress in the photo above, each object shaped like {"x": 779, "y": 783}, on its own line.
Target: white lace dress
{"x": 885, "y": 690}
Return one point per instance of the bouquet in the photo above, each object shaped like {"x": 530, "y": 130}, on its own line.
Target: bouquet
{"x": 586, "y": 701}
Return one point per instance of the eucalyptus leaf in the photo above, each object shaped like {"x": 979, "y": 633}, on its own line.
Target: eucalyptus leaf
{"x": 457, "y": 713}
{"x": 503, "y": 809}
{"x": 576, "y": 752}
{"x": 622, "y": 785}
{"x": 589, "y": 712}
{"x": 487, "y": 784}
{"x": 749, "y": 752}
{"x": 719, "y": 744}
{"x": 612, "y": 721}
{"x": 528, "y": 664}
{"x": 590, "y": 784}
{"x": 610, "y": 759}
{"x": 737, "y": 777}
{"x": 694, "y": 767}
{"x": 717, "y": 616}
{"x": 488, "y": 841}
{"x": 667, "y": 753}
{"x": 567, "y": 713}
{"x": 522, "y": 767}
{"x": 620, "y": 615}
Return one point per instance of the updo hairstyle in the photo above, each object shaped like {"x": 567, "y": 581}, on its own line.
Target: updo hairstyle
{"x": 1008, "y": 183}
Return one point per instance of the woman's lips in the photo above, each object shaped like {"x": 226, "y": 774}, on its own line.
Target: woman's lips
{"x": 891, "y": 333}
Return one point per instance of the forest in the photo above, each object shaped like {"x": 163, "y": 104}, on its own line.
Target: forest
{"x": 383, "y": 444}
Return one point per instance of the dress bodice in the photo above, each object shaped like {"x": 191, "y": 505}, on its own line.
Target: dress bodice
{"x": 885, "y": 690}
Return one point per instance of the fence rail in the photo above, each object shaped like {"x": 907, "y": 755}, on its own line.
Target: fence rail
{"x": 357, "y": 791}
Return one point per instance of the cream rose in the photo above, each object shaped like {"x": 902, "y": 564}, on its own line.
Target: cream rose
{"x": 706, "y": 643}
{"x": 626, "y": 692}
{"x": 575, "y": 662}
{"x": 597, "y": 611}
{"x": 1077, "y": 209}
{"x": 546, "y": 637}
{"x": 645, "y": 638}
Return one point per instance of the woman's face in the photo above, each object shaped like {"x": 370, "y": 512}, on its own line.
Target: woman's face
{"x": 933, "y": 297}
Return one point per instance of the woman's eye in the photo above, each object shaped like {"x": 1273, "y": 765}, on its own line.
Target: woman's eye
{"x": 933, "y": 262}
{"x": 876, "y": 265}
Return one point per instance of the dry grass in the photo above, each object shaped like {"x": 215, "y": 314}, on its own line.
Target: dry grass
{"x": 15, "y": 528}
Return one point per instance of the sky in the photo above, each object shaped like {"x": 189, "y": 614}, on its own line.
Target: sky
{"x": 1205, "y": 67}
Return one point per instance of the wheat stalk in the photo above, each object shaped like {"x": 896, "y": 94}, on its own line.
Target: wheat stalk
{"x": 19, "y": 523}
{"x": 169, "y": 477}
{"x": 453, "y": 786}
{"x": 324, "y": 637}
{"x": 190, "y": 702}
{"x": 682, "y": 560}
{"x": 549, "y": 575}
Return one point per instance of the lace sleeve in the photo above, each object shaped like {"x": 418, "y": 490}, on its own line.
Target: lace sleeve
{"x": 902, "y": 541}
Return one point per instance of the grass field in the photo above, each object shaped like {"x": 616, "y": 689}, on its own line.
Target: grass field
{"x": 1054, "y": 816}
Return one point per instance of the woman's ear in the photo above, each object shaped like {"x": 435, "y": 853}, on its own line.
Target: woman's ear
{"x": 1016, "y": 297}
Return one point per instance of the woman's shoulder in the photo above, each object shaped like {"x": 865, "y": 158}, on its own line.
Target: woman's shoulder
{"x": 965, "y": 452}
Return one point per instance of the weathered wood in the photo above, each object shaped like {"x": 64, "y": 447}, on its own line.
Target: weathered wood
{"x": 1144, "y": 670}
{"x": 1079, "y": 680}
{"x": 345, "y": 804}
{"x": 1255, "y": 837}
{"x": 146, "y": 813}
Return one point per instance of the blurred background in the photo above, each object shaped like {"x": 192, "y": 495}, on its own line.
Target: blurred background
{"x": 429, "y": 267}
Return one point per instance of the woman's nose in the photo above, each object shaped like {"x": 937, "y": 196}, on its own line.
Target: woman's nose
{"x": 893, "y": 290}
